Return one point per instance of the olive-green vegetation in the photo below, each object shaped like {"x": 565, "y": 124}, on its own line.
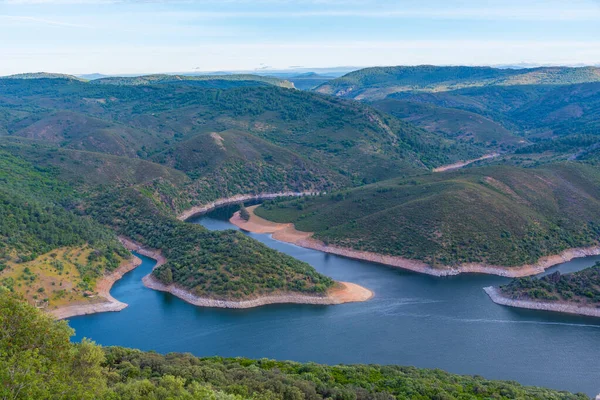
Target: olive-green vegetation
{"x": 581, "y": 288}
{"x": 379, "y": 82}
{"x": 498, "y": 215}
{"x": 351, "y": 141}
{"x": 554, "y": 121}
{"x": 204, "y": 81}
{"x": 37, "y": 360}
{"x": 222, "y": 265}
{"x": 456, "y": 124}
{"x": 38, "y": 213}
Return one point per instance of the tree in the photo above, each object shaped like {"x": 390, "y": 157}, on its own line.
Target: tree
{"x": 244, "y": 214}
{"x": 37, "y": 359}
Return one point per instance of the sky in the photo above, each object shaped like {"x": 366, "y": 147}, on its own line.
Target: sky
{"x": 150, "y": 36}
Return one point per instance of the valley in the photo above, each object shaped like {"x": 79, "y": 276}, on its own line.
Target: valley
{"x": 438, "y": 172}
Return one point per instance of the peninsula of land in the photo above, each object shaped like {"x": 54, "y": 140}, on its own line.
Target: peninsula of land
{"x": 286, "y": 232}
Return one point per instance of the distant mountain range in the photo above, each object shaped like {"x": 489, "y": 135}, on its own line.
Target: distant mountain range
{"x": 380, "y": 82}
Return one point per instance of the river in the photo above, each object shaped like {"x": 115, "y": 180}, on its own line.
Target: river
{"x": 447, "y": 323}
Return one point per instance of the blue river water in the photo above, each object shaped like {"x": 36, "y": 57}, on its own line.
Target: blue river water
{"x": 447, "y": 323}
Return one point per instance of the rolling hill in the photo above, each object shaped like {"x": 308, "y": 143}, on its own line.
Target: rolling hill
{"x": 353, "y": 141}
{"x": 380, "y": 82}
{"x": 498, "y": 215}
{"x": 202, "y": 81}
{"x": 456, "y": 124}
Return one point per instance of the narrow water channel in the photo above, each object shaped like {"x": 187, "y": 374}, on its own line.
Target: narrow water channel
{"x": 447, "y": 323}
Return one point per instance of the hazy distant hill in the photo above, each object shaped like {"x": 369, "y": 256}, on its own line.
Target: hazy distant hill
{"x": 204, "y": 81}
{"x": 309, "y": 80}
{"x": 42, "y": 75}
{"x": 380, "y": 82}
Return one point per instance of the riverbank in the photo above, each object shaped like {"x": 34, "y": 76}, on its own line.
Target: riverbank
{"x": 288, "y": 233}
{"x": 498, "y": 298}
{"x": 103, "y": 287}
{"x": 199, "y": 210}
{"x": 344, "y": 292}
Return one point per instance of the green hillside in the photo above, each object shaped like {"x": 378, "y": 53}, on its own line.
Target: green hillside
{"x": 353, "y": 141}
{"x": 557, "y": 121}
{"x": 380, "y": 82}
{"x": 39, "y": 216}
{"x": 456, "y": 124}
{"x": 203, "y": 81}
{"x": 581, "y": 288}
{"x": 137, "y": 199}
{"x": 38, "y": 361}
{"x": 498, "y": 215}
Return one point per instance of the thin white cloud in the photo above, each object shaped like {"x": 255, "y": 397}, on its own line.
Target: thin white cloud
{"x": 41, "y": 21}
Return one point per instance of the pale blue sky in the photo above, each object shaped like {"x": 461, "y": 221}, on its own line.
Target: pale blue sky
{"x": 146, "y": 36}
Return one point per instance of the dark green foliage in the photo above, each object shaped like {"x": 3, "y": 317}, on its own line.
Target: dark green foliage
{"x": 37, "y": 215}
{"x": 305, "y": 134}
{"x": 221, "y": 265}
{"x": 582, "y": 287}
{"x": 499, "y": 215}
{"x": 290, "y": 380}
{"x": 37, "y": 360}
{"x": 244, "y": 214}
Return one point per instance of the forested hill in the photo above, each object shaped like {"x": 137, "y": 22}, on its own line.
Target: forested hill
{"x": 270, "y": 129}
{"x": 204, "y": 81}
{"x": 379, "y": 82}
{"x": 39, "y": 362}
{"x": 498, "y": 215}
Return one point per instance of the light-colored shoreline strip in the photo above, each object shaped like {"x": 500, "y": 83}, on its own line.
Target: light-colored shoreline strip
{"x": 287, "y": 233}
{"x": 103, "y": 288}
{"x": 283, "y": 298}
{"x": 344, "y": 292}
{"x": 498, "y": 298}
{"x": 199, "y": 210}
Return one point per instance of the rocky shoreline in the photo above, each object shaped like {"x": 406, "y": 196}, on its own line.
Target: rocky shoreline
{"x": 344, "y": 293}
{"x": 199, "y": 210}
{"x": 283, "y": 298}
{"x": 287, "y": 233}
{"x": 498, "y": 298}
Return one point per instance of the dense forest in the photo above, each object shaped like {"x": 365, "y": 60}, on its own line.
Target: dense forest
{"x": 37, "y": 360}
{"x": 220, "y": 265}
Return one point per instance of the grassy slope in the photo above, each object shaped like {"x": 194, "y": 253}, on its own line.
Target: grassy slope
{"x": 498, "y": 215}
{"x": 48, "y": 252}
{"x": 380, "y": 82}
{"x": 581, "y": 288}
